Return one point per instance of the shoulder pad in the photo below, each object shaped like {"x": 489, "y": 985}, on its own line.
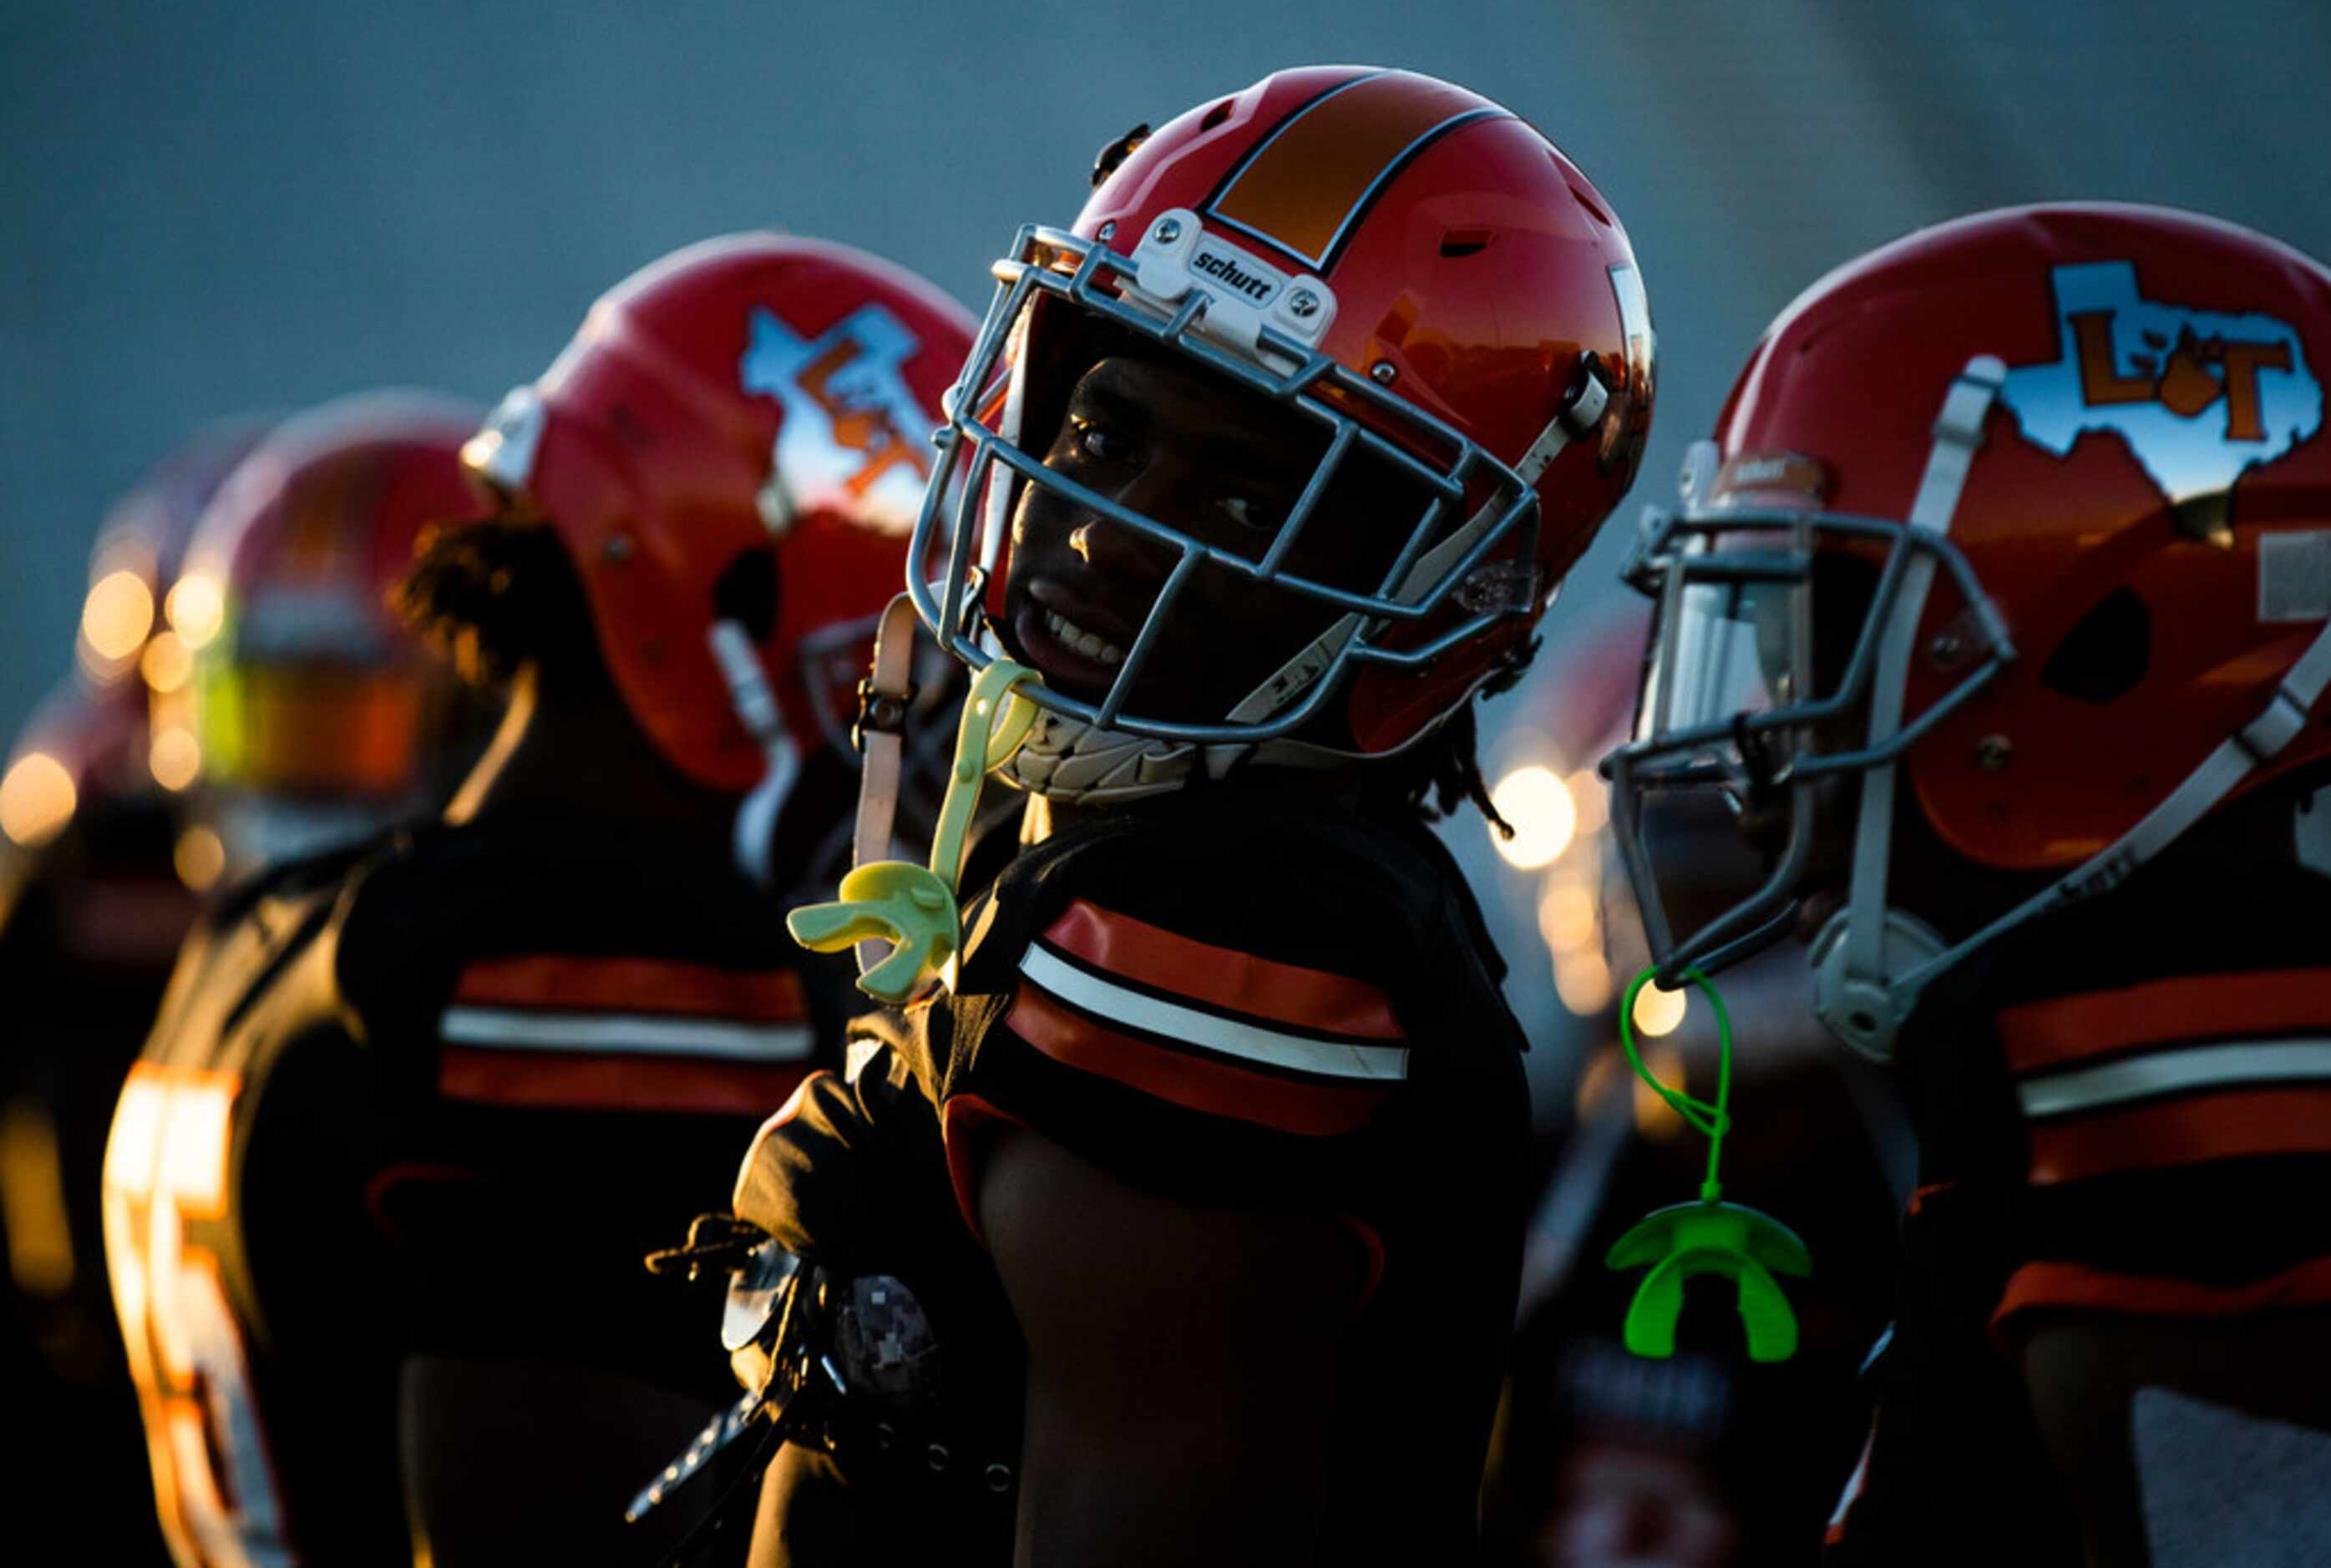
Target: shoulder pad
{"x": 1208, "y": 1027}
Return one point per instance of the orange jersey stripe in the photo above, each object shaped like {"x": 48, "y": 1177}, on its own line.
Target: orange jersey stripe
{"x": 2077, "y": 1285}
{"x": 1142, "y": 953}
{"x": 655, "y": 985}
{"x": 572, "y": 1081}
{"x": 1193, "y": 1082}
{"x": 2189, "y": 1007}
{"x": 1304, "y": 184}
{"x": 2226, "y": 1124}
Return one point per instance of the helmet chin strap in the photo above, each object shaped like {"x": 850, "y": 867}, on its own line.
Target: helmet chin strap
{"x": 1852, "y": 994}
{"x": 756, "y": 710}
{"x": 1872, "y": 963}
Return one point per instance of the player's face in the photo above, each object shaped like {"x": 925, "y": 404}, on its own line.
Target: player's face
{"x": 1171, "y": 441}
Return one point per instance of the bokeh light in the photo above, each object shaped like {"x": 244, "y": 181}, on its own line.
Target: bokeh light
{"x": 200, "y": 855}
{"x": 167, "y": 662}
{"x": 117, "y": 615}
{"x": 176, "y": 759}
{"x": 1594, "y": 1082}
{"x": 1655, "y": 1117}
{"x": 1567, "y": 916}
{"x": 1591, "y": 798}
{"x": 1539, "y": 805}
{"x": 1583, "y": 981}
{"x": 37, "y": 799}
{"x": 197, "y": 608}
{"x": 1659, "y": 1010}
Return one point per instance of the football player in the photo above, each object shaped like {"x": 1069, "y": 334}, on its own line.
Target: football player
{"x": 307, "y": 717}
{"x": 1706, "y": 1458}
{"x": 91, "y": 912}
{"x": 1998, "y": 610}
{"x": 1186, "y": 1209}
{"x": 407, "y": 1122}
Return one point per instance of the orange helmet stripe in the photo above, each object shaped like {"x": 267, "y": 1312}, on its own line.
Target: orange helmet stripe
{"x": 1304, "y": 186}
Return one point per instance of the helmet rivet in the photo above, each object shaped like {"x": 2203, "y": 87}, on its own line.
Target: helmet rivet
{"x": 999, "y": 1477}
{"x": 938, "y": 1457}
{"x": 1946, "y": 648}
{"x": 1993, "y": 752}
{"x": 618, "y": 548}
{"x": 1303, "y": 304}
{"x": 1382, "y": 372}
{"x": 1107, "y": 230}
{"x": 1168, "y": 230}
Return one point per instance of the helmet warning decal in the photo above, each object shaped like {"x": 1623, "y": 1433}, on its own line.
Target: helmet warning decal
{"x": 2199, "y": 396}
{"x": 852, "y": 430}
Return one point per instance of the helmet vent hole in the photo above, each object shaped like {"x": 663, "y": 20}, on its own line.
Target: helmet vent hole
{"x": 2105, "y": 655}
{"x": 1460, "y": 243}
{"x": 1216, "y": 115}
{"x": 1594, "y": 209}
{"x": 746, "y": 593}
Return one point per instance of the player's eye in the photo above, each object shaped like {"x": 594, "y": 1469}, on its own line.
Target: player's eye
{"x": 1256, "y": 517}
{"x": 1098, "y": 441}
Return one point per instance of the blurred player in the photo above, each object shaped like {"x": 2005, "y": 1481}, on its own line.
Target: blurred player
{"x": 2000, "y": 611}
{"x": 1603, "y": 1458}
{"x": 1188, "y": 1213}
{"x": 308, "y": 716}
{"x": 1606, "y": 1458}
{"x": 282, "y": 693}
{"x": 91, "y": 912}
{"x": 401, "y": 1137}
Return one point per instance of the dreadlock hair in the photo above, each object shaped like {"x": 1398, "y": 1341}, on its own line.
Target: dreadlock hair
{"x": 1443, "y": 771}
{"x": 494, "y": 596}
{"x": 1435, "y": 777}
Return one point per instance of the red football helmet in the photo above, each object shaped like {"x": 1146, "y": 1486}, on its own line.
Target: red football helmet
{"x": 88, "y": 739}
{"x": 2034, "y": 505}
{"x": 1410, "y": 267}
{"x": 312, "y": 714}
{"x": 755, "y": 398}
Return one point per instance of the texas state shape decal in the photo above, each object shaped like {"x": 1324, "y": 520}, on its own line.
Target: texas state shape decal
{"x": 2199, "y": 396}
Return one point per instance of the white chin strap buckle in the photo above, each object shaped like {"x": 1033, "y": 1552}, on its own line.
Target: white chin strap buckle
{"x": 1865, "y": 1012}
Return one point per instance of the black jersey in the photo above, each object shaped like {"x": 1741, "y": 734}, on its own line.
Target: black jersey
{"x": 89, "y": 925}
{"x": 1240, "y": 996}
{"x": 2126, "y": 1108}
{"x": 433, "y": 1097}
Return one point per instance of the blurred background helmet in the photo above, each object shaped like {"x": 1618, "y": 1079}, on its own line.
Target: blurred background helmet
{"x": 737, "y": 437}
{"x": 298, "y": 714}
{"x": 86, "y": 744}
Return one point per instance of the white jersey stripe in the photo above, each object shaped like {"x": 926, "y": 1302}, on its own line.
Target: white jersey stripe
{"x": 2197, "y": 1066}
{"x": 1229, "y": 1036}
{"x": 645, "y": 1034}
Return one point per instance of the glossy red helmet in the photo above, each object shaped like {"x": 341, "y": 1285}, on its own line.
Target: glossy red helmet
{"x": 749, "y": 399}
{"x": 306, "y": 691}
{"x": 1409, "y": 266}
{"x": 2076, "y": 452}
